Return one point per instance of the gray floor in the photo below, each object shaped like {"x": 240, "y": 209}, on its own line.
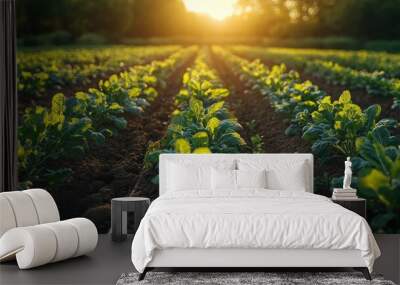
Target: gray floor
{"x": 103, "y": 266}
{"x": 110, "y": 259}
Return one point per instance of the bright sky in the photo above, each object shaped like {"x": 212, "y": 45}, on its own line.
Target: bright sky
{"x": 217, "y": 9}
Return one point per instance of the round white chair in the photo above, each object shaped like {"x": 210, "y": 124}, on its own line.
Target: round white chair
{"x": 31, "y": 231}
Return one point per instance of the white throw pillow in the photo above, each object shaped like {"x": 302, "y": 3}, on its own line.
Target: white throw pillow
{"x": 181, "y": 177}
{"x": 223, "y": 179}
{"x": 281, "y": 175}
{"x": 251, "y": 178}
{"x": 292, "y": 178}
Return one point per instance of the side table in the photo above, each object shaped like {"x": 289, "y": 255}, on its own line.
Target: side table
{"x": 357, "y": 205}
{"x": 119, "y": 215}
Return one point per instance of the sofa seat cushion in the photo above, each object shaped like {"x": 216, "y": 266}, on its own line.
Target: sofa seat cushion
{"x": 45, "y": 243}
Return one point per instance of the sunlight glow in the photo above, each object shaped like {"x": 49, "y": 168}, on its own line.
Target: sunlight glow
{"x": 217, "y": 9}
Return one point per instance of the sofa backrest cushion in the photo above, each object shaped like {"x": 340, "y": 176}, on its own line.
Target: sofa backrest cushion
{"x": 26, "y": 208}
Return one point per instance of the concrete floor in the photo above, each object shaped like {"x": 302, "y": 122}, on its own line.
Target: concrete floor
{"x": 110, "y": 259}
{"x": 103, "y": 266}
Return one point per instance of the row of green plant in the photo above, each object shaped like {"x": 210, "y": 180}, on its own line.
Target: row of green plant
{"x": 201, "y": 122}
{"x": 386, "y": 63}
{"x": 42, "y": 71}
{"x": 48, "y": 136}
{"x": 336, "y": 129}
{"x": 374, "y": 82}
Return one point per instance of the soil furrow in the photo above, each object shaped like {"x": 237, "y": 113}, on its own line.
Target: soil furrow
{"x": 252, "y": 108}
{"x": 111, "y": 170}
{"x": 255, "y": 111}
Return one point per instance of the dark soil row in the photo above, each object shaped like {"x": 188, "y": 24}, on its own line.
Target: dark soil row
{"x": 252, "y": 108}
{"x": 112, "y": 170}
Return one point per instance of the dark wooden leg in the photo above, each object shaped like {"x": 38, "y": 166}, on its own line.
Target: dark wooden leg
{"x": 116, "y": 221}
{"x": 143, "y": 274}
{"x": 364, "y": 271}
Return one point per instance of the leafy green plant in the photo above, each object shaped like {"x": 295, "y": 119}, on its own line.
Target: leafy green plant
{"x": 256, "y": 140}
{"x": 375, "y": 83}
{"x": 379, "y": 178}
{"x": 284, "y": 89}
{"x": 332, "y": 127}
{"x": 44, "y": 71}
{"x": 201, "y": 123}
{"x": 335, "y": 126}
{"x": 257, "y": 144}
{"x": 341, "y": 68}
{"x": 47, "y": 136}
{"x": 358, "y": 60}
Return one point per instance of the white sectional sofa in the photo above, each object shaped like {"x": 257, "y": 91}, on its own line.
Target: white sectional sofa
{"x": 31, "y": 231}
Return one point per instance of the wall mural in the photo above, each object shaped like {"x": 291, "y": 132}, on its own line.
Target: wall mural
{"x": 101, "y": 97}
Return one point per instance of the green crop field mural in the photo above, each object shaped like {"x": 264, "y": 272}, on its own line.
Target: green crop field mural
{"x": 105, "y": 87}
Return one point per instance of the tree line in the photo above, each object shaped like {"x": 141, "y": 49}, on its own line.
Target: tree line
{"x": 121, "y": 19}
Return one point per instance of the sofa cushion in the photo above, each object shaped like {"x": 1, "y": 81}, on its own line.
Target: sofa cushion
{"x": 41, "y": 244}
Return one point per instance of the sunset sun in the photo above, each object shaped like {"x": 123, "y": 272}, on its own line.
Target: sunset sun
{"x": 217, "y": 9}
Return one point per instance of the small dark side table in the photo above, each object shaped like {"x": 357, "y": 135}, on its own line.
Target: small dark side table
{"x": 357, "y": 205}
{"x": 119, "y": 215}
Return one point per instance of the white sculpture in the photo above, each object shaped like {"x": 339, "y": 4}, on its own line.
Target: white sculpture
{"x": 347, "y": 174}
